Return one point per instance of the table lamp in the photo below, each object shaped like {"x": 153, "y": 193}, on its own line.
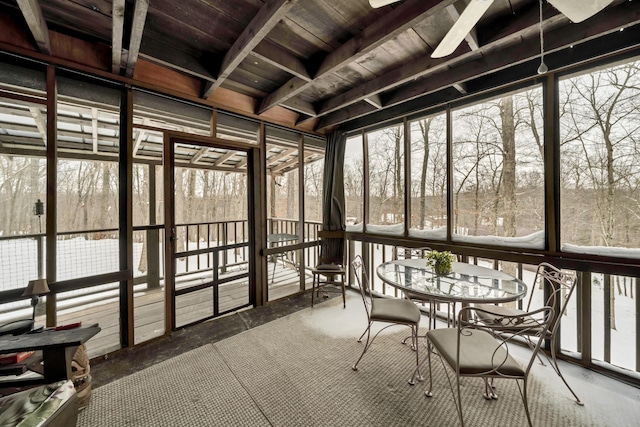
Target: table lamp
{"x": 35, "y": 288}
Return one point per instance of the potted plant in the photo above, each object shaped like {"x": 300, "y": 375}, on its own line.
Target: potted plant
{"x": 440, "y": 261}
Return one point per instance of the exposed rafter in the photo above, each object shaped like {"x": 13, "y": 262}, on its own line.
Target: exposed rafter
{"x": 260, "y": 26}
{"x": 229, "y": 154}
{"x": 137, "y": 27}
{"x": 200, "y": 154}
{"x": 94, "y": 129}
{"x": 609, "y": 21}
{"x": 274, "y": 55}
{"x": 117, "y": 17}
{"x": 40, "y": 123}
{"x": 37, "y": 25}
{"x": 426, "y": 65}
{"x": 381, "y": 31}
{"x": 374, "y": 100}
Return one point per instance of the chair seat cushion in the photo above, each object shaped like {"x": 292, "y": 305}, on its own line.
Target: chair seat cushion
{"x": 480, "y": 352}
{"x": 394, "y": 310}
{"x": 332, "y": 268}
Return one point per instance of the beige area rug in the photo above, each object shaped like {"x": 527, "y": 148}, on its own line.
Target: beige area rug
{"x": 296, "y": 371}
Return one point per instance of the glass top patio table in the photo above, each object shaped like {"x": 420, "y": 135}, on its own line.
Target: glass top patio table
{"x": 467, "y": 283}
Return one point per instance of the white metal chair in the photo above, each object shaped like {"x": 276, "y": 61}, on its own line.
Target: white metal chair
{"x": 561, "y": 283}
{"x": 387, "y": 310}
{"x": 477, "y": 349}
{"x": 330, "y": 269}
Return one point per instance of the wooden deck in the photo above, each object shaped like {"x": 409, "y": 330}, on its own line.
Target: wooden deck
{"x": 149, "y": 309}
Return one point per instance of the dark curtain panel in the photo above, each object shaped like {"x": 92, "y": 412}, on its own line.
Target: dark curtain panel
{"x": 333, "y": 216}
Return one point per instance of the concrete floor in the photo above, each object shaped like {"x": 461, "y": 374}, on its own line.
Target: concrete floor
{"x": 610, "y": 402}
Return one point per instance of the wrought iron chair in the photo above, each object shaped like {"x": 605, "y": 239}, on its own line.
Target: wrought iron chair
{"x": 478, "y": 349}
{"x": 393, "y": 311}
{"x": 331, "y": 263}
{"x": 562, "y": 283}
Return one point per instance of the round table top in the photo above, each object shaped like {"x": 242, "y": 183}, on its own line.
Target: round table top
{"x": 466, "y": 283}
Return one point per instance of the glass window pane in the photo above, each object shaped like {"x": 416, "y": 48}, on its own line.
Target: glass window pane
{"x": 354, "y": 183}
{"x": 498, "y": 172}
{"x": 386, "y": 180}
{"x": 600, "y": 154}
{"x": 429, "y": 178}
{"x": 88, "y": 179}
{"x": 23, "y": 186}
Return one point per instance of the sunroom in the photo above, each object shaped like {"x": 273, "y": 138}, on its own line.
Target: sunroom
{"x": 164, "y": 165}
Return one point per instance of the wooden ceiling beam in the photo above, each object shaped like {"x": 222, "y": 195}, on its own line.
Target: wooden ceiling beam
{"x": 267, "y": 18}
{"x": 169, "y": 57}
{"x": 610, "y": 20}
{"x": 229, "y": 154}
{"x": 300, "y": 106}
{"x": 426, "y": 65}
{"x": 117, "y": 32}
{"x": 137, "y": 28}
{"x": 40, "y": 123}
{"x": 391, "y": 25}
{"x": 374, "y": 100}
{"x": 32, "y": 14}
{"x": 200, "y": 154}
{"x": 280, "y": 58}
{"x": 94, "y": 129}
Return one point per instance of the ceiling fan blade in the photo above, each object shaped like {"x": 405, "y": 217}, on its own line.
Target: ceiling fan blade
{"x": 468, "y": 19}
{"x": 380, "y": 3}
{"x": 579, "y": 10}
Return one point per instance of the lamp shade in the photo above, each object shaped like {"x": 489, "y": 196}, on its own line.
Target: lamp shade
{"x": 36, "y": 287}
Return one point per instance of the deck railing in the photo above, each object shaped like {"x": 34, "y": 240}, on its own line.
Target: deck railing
{"x": 601, "y": 329}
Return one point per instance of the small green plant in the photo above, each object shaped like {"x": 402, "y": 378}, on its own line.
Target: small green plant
{"x": 440, "y": 261}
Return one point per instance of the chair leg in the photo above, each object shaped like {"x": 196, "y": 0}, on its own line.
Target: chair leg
{"x": 554, "y": 362}
{"x": 416, "y": 371}
{"x": 523, "y": 392}
{"x": 460, "y": 401}
{"x": 313, "y": 289}
{"x": 344, "y": 294}
{"x": 429, "y": 393}
{"x": 366, "y": 346}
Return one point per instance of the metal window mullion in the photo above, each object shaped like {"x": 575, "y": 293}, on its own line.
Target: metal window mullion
{"x": 607, "y": 318}
{"x": 299, "y": 254}
{"x": 449, "y": 173}
{"x": 407, "y": 177}
{"x": 365, "y": 173}
{"x": 51, "y": 225}
{"x": 584, "y": 316}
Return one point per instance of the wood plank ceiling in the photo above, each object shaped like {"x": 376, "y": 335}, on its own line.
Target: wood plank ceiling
{"x": 320, "y": 64}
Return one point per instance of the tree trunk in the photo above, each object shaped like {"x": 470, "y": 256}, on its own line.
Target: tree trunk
{"x": 509, "y": 165}
{"x": 425, "y": 126}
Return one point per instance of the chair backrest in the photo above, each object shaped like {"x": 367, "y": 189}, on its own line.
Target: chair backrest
{"x": 561, "y": 284}
{"x": 332, "y": 247}
{"x": 505, "y": 330}
{"x": 363, "y": 283}
{"x": 401, "y": 252}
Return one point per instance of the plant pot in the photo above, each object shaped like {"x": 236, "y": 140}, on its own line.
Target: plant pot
{"x": 441, "y": 270}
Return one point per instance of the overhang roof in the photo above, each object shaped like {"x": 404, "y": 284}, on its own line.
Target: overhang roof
{"x": 319, "y": 64}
